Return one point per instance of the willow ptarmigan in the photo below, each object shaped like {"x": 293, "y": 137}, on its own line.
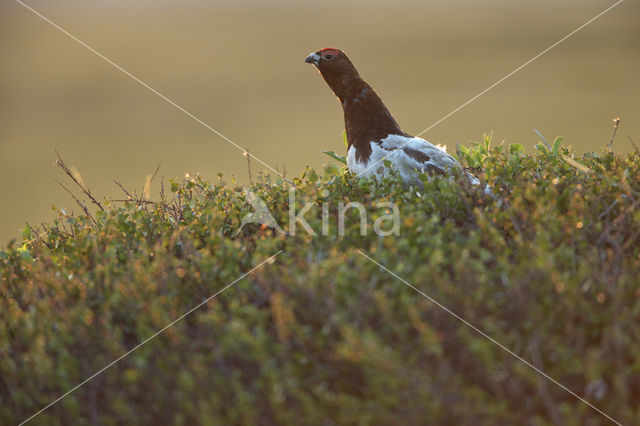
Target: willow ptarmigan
{"x": 372, "y": 132}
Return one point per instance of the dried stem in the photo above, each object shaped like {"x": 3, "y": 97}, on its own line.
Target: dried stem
{"x": 162, "y": 197}
{"x": 246, "y": 154}
{"x": 84, "y": 189}
{"x": 81, "y": 204}
{"x": 147, "y": 184}
{"x": 616, "y": 123}
{"x": 136, "y": 201}
{"x": 127, "y": 193}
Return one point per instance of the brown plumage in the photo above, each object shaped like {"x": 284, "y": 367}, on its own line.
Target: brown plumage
{"x": 366, "y": 118}
{"x": 376, "y": 143}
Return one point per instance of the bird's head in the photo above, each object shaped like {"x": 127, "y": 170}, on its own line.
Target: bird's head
{"x": 336, "y": 69}
{"x": 327, "y": 58}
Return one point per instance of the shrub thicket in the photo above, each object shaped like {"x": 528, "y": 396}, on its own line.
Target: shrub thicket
{"x": 550, "y": 269}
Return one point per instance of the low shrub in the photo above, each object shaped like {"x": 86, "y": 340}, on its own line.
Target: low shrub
{"x": 549, "y": 268}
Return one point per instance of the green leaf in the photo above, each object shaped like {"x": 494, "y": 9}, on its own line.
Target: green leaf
{"x": 542, "y": 148}
{"x": 556, "y": 146}
{"x": 516, "y": 148}
{"x": 344, "y": 139}
{"x": 26, "y": 232}
{"x": 23, "y": 251}
{"x": 331, "y": 170}
{"x": 487, "y": 143}
{"x": 575, "y": 164}
{"x": 25, "y": 255}
{"x": 313, "y": 176}
{"x": 339, "y": 158}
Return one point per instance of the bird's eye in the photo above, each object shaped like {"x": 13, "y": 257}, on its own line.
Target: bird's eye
{"x": 328, "y": 57}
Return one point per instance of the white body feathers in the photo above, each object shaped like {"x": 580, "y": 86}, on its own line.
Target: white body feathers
{"x": 409, "y": 157}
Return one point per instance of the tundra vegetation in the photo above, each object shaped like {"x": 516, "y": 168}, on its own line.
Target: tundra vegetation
{"x": 321, "y": 335}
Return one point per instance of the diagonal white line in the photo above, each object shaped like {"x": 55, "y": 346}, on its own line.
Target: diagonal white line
{"x": 483, "y": 334}
{"x": 520, "y": 67}
{"x": 504, "y": 78}
{"x": 133, "y": 77}
{"x": 270, "y": 259}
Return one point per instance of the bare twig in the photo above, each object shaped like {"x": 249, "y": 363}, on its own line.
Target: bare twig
{"x": 146, "y": 189}
{"x": 127, "y": 193}
{"x": 136, "y": 201}
{"x": 604, "y": 213}
{"x": 624, "y": 214}
{"x": 81, "y": 204}
{"x": 630, "y": 240}
{"x": 155, "y": 172}
{"x": 619, "y": 219}
{"x": 38, "y": 235}
{"x": 246, "y": 154}
{"x": 69, "y": 173}
{"x": 633, "y": 143}
{"x": 616, "y": 123}
{"x": 162, "y": 197}
{"x": 34, "y": 230}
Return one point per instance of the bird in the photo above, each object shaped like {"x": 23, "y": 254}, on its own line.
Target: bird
{"x": 375, "y": 142}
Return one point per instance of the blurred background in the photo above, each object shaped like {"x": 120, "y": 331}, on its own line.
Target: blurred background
{"x": 239, "y": 67}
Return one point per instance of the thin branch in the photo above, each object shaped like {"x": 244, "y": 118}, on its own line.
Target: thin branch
{"x": 604, "y": 213}
{"x": 616, "y": 123}
{"x": 38, "y": 235}
{"x": 136, "y": 201}
{"x": 162, "y": 197}
{"x": 81, "y": 204}
{"x": 60, "y": 162}
{"x": 156, "y": 172}
{"x": 127, "y": 193}
{"x": 246, "y": 154}
{"x": 147, "y": 184}
{"x": 619, "y": 219}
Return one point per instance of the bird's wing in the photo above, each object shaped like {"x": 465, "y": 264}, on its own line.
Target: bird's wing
{"x": 419, "y": 154}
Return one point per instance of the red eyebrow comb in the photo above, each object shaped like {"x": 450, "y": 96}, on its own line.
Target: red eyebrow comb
{"x": 329, "y": 49}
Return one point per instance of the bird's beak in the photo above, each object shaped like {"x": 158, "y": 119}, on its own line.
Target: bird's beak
{"x": 313, "y": 58}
